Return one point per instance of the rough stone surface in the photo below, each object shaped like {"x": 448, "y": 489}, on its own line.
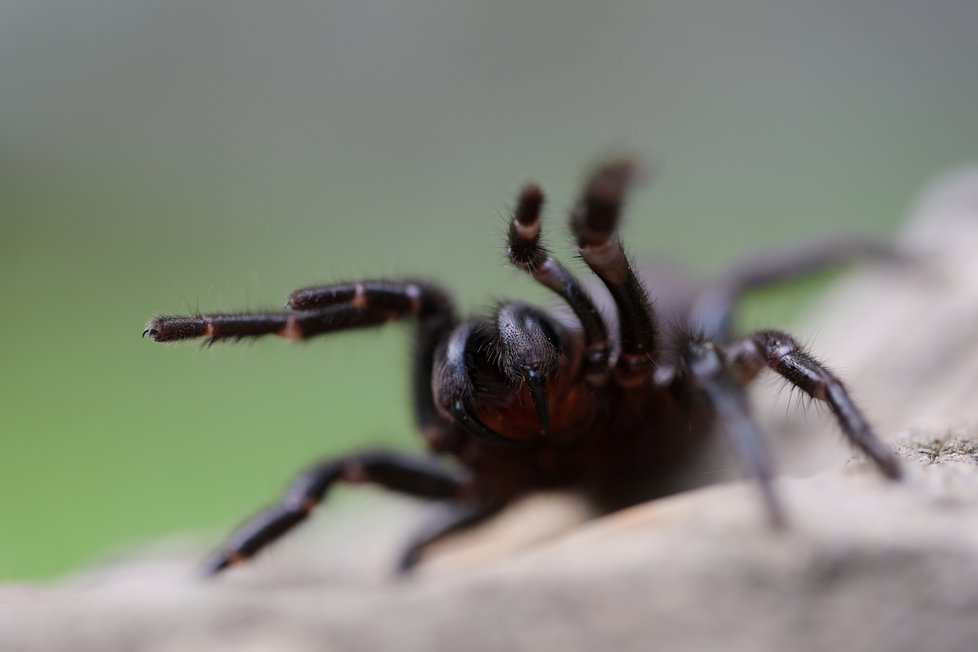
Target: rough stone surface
{"x": 866, "y": 564}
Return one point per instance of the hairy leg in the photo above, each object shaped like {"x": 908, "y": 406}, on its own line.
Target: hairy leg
{"x": 331, "y": 308}
{"x": 594, "y": 222}
{"x": 528, "y": 253}
{"x": 748, "y": 355}
{"x": 316, "y": 311}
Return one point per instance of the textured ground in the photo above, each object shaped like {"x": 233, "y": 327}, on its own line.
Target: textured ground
{"x": 866, "y": 565}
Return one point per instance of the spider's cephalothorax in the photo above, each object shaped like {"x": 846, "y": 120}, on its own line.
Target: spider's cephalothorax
{"x": 525, "y": 401}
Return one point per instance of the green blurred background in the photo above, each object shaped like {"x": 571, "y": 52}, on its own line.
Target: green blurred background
{"x": 165, "y": 157}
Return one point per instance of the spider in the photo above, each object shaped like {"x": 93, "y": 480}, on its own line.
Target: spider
{"x": 525, "y": 401}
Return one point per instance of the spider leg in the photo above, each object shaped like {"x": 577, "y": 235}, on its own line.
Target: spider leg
{"x": 290, "y": 325}
{"x": 317, "y": 311}
{"x": 435, "y": 313}
{"x": 413, "y": 475}
{"x": 528, "y": 253}
{"x": 713, "y": 308}
{"x": 444, "y": 519}
{"x": 341, "y": 306}
{"x": 781, "y": 353}
{"x": 594, "y": 222}
{"x": 708, "y": 371}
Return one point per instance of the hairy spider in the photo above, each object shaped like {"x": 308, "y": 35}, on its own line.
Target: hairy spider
{"x": 525, "y": 401}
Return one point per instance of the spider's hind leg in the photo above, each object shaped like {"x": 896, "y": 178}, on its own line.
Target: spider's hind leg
{"x": 713, "y": 308}
{"x": 781, "y": 353}
{"x": 408, "y": 474}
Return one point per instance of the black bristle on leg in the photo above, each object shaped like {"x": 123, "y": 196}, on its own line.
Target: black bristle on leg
{"x": 782, "y": 354}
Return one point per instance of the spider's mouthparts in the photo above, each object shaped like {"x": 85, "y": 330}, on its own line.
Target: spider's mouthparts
{"x": 537, "y": 384}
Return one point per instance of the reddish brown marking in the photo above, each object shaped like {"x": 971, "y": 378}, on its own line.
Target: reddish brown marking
{"x": 414, "y": 294}
{"x": 359, "y": 299}
{"x": 633, "y": 370}
{"x": 354, "y": 472}
{"x": 292, "y": 329}
{"x": 527, "y": 231}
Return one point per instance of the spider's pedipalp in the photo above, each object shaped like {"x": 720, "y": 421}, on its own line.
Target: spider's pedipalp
{"x": 524, "y": 247}
{"x": 594, "y": 222}
{"x": 527, "y": 253}
{"x": 782, "y": 354}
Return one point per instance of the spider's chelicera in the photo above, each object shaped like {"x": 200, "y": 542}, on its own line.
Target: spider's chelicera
{"x": 525, "y": 401}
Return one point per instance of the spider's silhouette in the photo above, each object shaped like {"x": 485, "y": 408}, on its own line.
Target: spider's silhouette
{"x": 524, "y": 401}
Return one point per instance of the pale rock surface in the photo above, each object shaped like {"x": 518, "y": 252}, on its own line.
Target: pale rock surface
{"x": 866, "y": 564}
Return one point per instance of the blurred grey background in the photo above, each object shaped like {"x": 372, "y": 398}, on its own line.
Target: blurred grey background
{"x": 175, "y": 156}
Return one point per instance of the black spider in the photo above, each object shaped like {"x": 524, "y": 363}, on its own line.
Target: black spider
{"x": 526, "y": 402}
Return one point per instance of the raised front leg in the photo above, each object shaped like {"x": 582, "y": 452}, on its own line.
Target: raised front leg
{"x": 526, "y": 252}
{"x": 316, "y": 311}
{"x": 594, "y": 222}
{"x": 781, "y": 353}
{"x": 409, "y": 474}
{"x": 341, "y": 306}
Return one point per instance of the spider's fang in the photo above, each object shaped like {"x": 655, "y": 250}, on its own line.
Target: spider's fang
{"x": 537, "y": 384}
